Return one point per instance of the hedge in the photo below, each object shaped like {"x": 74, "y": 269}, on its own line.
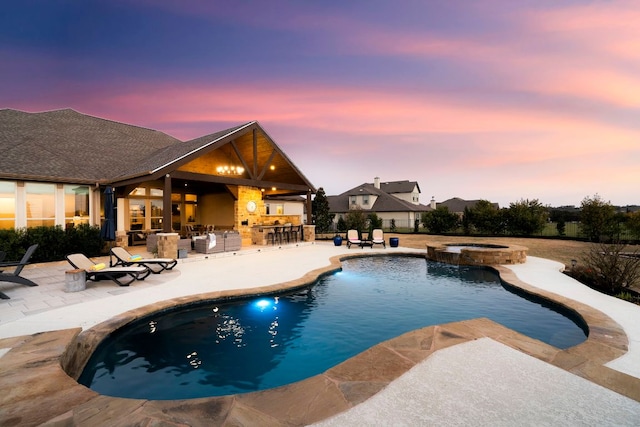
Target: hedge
{"x": 53, "y": 242}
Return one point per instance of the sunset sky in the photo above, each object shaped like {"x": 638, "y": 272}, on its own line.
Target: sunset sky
{"x": 492, "y": 99}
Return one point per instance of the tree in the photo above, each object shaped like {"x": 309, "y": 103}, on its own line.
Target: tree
{"x": 597, "y": 218}
{"x": 320, "y": 212}
{"x": 525, "y": 217}
{"x": 486, "y": 218}
{"x": 440, "y": 220}
{"x": 356, "y": 220}
{"x": 633, "y": 224}
{"x": 467, "y": 221}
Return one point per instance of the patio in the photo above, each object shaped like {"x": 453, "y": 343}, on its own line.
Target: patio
{"x": 474, "y": 372}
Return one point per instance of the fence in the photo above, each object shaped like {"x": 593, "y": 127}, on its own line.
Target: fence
{"x": 571, "y": 230}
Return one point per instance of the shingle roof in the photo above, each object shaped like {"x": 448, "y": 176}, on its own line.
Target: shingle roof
{"x": 457, "y": 204}
{"x": 385, "y": 202}
{"x": 65, "y": 145}
{"x": 393, "y": 187}
{"x": 175, "y": 152}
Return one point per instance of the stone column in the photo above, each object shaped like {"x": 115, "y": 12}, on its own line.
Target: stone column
{"x": 309, "y": 233}
{"x": 168, "y": 245}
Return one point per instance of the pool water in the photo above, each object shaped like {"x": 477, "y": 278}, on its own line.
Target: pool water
{"x": 222, "y": 348}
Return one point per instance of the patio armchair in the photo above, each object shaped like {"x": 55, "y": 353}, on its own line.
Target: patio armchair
{"x": 123, "y": 276}
{"x": 155, "y": 265}
{"x": 209, "y": 244}
{"x": 14, "y": 276}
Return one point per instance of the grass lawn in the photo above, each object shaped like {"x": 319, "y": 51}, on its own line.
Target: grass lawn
{"x": 558, "y": 250}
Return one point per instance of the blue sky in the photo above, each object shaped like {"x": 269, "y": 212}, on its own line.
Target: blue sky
{"x": 493, "y": 99}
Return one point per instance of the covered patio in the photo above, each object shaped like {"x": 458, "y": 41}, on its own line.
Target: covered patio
{"x": 221, "y": 181}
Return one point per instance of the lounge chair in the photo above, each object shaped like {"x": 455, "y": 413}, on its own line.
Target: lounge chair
{"x": 377, "y": 238}
{"x": 353, "y": 238}
{"x": 14, "y": 276}
{"x": 155, "y": 265}
{"x": 123, "y": 276}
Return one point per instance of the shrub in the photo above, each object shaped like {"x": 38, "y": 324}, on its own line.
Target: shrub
{"x": 612, "y": 267}
{"x": 53, "y": 242}
{"x": 440, "y": 220}
{"x": 356, "y": 220}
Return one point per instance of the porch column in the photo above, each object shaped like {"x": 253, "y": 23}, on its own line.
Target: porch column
{"x": 122, "y": 239}
{"x": 309, "y": 209}
{"x": 166, "y": 205}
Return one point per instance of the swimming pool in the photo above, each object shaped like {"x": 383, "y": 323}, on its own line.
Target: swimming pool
{"x": 233, "y": 347}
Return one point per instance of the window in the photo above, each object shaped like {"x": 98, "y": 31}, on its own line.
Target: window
{"x": 136, "y": 214}
{"x": 41, "y": 204}
{"x": 76, "y": 204}
{"x": 7, "y": 204}
{"x": 146, "y": 208}
{"x": 352, "y": 199}
{"x": 140, "y": 191}
{"x": 365, "y": 200}
{"x": 156, "y": 213}
{"x": 191, "y": 207}
{"x": 274, "y": 209}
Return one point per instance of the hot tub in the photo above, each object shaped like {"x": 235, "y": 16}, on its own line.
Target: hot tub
{"x": 477, "y": 253}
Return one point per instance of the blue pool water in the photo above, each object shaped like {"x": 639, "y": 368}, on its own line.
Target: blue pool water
{"x": 222, "y": 348}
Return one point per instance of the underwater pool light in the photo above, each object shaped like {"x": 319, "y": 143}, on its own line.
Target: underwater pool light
{"x": 262, "y": 304}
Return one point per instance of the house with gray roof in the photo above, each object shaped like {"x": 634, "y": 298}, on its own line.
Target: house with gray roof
{"x": 397, "y": 201}
{"x": 56, "y": 165}
{"x": 457, "y": 205}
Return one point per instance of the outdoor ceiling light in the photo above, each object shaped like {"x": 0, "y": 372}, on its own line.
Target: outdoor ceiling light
{"x": 229, "y": 170}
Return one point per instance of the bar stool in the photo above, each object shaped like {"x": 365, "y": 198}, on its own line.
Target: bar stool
{"x": 295, "y": 232}
{"x": 275, "y": 233}
{"x": 286, "y": 232}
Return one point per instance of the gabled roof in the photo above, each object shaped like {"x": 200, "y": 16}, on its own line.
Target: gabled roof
{"x": 177, "y": 153}
{"x": 457, "y": 204}
{"x": 385, "y": 202}
{"x": 67, "y": 146}
{"x": 394, "y": 187}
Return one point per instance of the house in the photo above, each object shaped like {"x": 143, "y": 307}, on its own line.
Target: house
{"x": 397, "y": 200}
{"x": 287, "y": 205}
{"x": 457, "y": 205}
{"x": 56, "y": 165}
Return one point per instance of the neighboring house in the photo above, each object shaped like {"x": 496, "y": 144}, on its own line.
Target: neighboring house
{"x": 397, "y": 200}
{"x": 457, "y": 205}
{"x": 286, "y": 205}
{"x": 55, "y": 166}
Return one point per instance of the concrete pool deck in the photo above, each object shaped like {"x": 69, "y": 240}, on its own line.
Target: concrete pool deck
{"x": 466, "y": 373}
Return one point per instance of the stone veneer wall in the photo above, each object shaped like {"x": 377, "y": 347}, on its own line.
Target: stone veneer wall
{"x": 168, "y": 245}
{"x": 479, "y": 255}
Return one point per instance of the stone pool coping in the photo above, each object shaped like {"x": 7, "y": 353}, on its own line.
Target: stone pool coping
{"x": 35, "y": 389}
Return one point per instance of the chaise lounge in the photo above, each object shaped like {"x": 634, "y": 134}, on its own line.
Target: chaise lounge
{"x": 14, "y": 276}
{"x": 353, "y": 238}
{"x": 377, "y": 238}
{"x": 155, "y": 265}
{"x": 123, "y": 276}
